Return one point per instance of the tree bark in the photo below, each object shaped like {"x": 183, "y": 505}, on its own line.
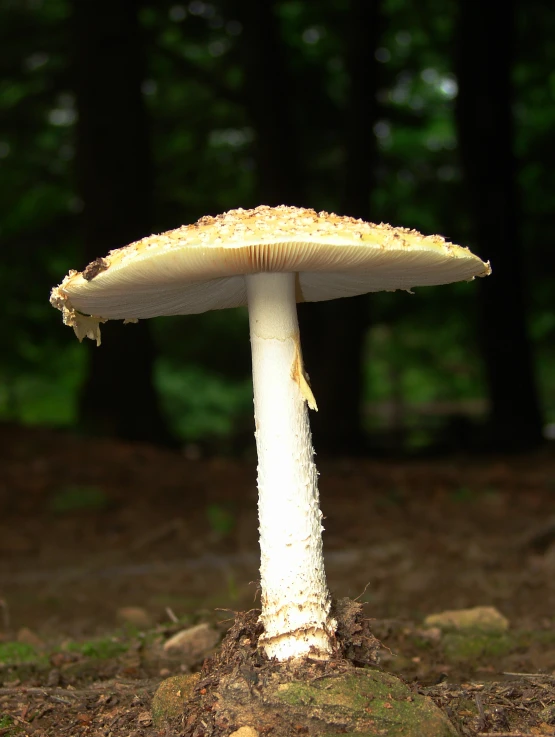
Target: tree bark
{"x": 337, "y": 330}
{"x": 114, "y": 175}
{"x": 485, "y": 54}
{"x": 332, "y": 332}
{"x": 269, "y": 95}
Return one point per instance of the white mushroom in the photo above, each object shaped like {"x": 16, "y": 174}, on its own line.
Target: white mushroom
{"x": 270, "y": 259}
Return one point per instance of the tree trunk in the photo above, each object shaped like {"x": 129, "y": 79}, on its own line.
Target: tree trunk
{"x": 484, "y": 62}
{"x": 332, "y": 332}
{"x": 115, "y": 181}
{"x": 269, "y": 93}
{"x": 335, "y": 344}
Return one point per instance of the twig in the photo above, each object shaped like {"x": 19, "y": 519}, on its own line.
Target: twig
{"x": 35, "y": 690}
{"x": 110, "y": 687}
{"x": 362, "y": 592}
{"x": 53, "y": 691}
{"x": 116, "y": 719}
{"x": 19, "y": 719}
{"x": 171, "y": 615}
{"x": 156, "y": 535}
{"x": 60, "y": 699}
{"x": 483, "y": 720}
{"x": 110, "y": 556}
{"x": 504, "y": 734}
{"x": 528, "y": 675}
{"x": 41, "y": 712}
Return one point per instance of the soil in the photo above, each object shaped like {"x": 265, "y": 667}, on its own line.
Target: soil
{"x": 90, "y": 527}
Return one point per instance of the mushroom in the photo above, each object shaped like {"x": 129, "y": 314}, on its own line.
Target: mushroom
{"x": 268, "y": 258}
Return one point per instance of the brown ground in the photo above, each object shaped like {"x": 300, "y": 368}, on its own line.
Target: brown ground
{"x": 178, "y": 538}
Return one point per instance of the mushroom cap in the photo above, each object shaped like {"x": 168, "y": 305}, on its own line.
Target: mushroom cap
{"x": 200, "y": 267}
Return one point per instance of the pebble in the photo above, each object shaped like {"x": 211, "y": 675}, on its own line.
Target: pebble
{"x": 134, "y": 615}
{"x": 480, "y": 618}
{"x": 28, "y": 637}
{"x": 244, "y": 732}
{"x": 194, "y": 642}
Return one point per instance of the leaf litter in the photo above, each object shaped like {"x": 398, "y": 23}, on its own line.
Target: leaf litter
{"x": 401, "y": 532}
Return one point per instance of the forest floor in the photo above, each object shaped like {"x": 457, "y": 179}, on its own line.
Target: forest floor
{"x": 89, "y": 528}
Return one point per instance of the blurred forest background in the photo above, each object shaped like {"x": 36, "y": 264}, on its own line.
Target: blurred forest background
{"x": 122, "y": 118}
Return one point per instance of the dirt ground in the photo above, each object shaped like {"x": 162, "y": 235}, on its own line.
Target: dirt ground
{"x": 90, "y": 527}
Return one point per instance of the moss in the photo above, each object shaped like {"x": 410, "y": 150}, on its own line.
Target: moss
{"x": 9, "y": 729}
{"x": 102, "y": 649}
{"x": 542, "y": 637}
{"x": 13, "y": 653}
{"x": 171, "y": 695}
{"x": 79, "y": 499}
{"x": 372, "y": 700}
{"x": 476, "y": 645}
{"x": 422, "y": 643}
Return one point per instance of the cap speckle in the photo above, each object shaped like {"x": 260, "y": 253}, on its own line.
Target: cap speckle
{"x": 94, "y": 268}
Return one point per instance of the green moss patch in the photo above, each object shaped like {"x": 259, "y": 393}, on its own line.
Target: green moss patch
{"x": 102, "y": 649}
{"x": 368, "y": 700}
{"x": 472, "y": 646}
{"x": 13, "y": 653}
{"x": 171, "y": 697}
{"x": 71, "y": 499}
{"x": 9, "y": 727}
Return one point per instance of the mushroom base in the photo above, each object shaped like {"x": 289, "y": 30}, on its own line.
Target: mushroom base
{"x": 240, "y": 691}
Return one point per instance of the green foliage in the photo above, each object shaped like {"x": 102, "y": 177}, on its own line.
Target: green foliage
{"x": 463, "y": 494}
{"x": 201, "y": 404}
{"x": 101, "y": 649}
{"x": 421, "y": 350}
{"x": 220, "y": 518}
{"x": 9, "y": 727}
{"x": 16, "y": 652}
{"x": 78, "y": 499}
{"x": 474, "y": 646}
{"x": 45, "y": 391}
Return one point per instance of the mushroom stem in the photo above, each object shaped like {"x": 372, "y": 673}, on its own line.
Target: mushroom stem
{"x": 295, "y": 596}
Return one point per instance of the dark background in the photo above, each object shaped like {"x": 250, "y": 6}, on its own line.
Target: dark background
{"x": 120, "y": 118}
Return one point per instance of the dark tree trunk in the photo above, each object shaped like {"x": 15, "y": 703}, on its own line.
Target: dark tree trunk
{"x": 484, "y": 62}
{"x": 362, "y": 36}
{"x": 268, "y": 94}
{"x": 332, "y": 332}
{"x": 115, "y": 181}
{"x": 335, "y": 343}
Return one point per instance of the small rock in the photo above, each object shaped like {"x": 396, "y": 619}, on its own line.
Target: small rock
{"x": 135, "y": 616}
{"x": 192, "y": 643}
{"x": 59, "y": 659}
{"x": 480, "y": 618}
{"x": 431, "y": 634}
{"x": 244, "y": 732}
{"x": 144, "y": 719}
{"x": 28, "y": 637}
{"x": 54, "y": 678}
